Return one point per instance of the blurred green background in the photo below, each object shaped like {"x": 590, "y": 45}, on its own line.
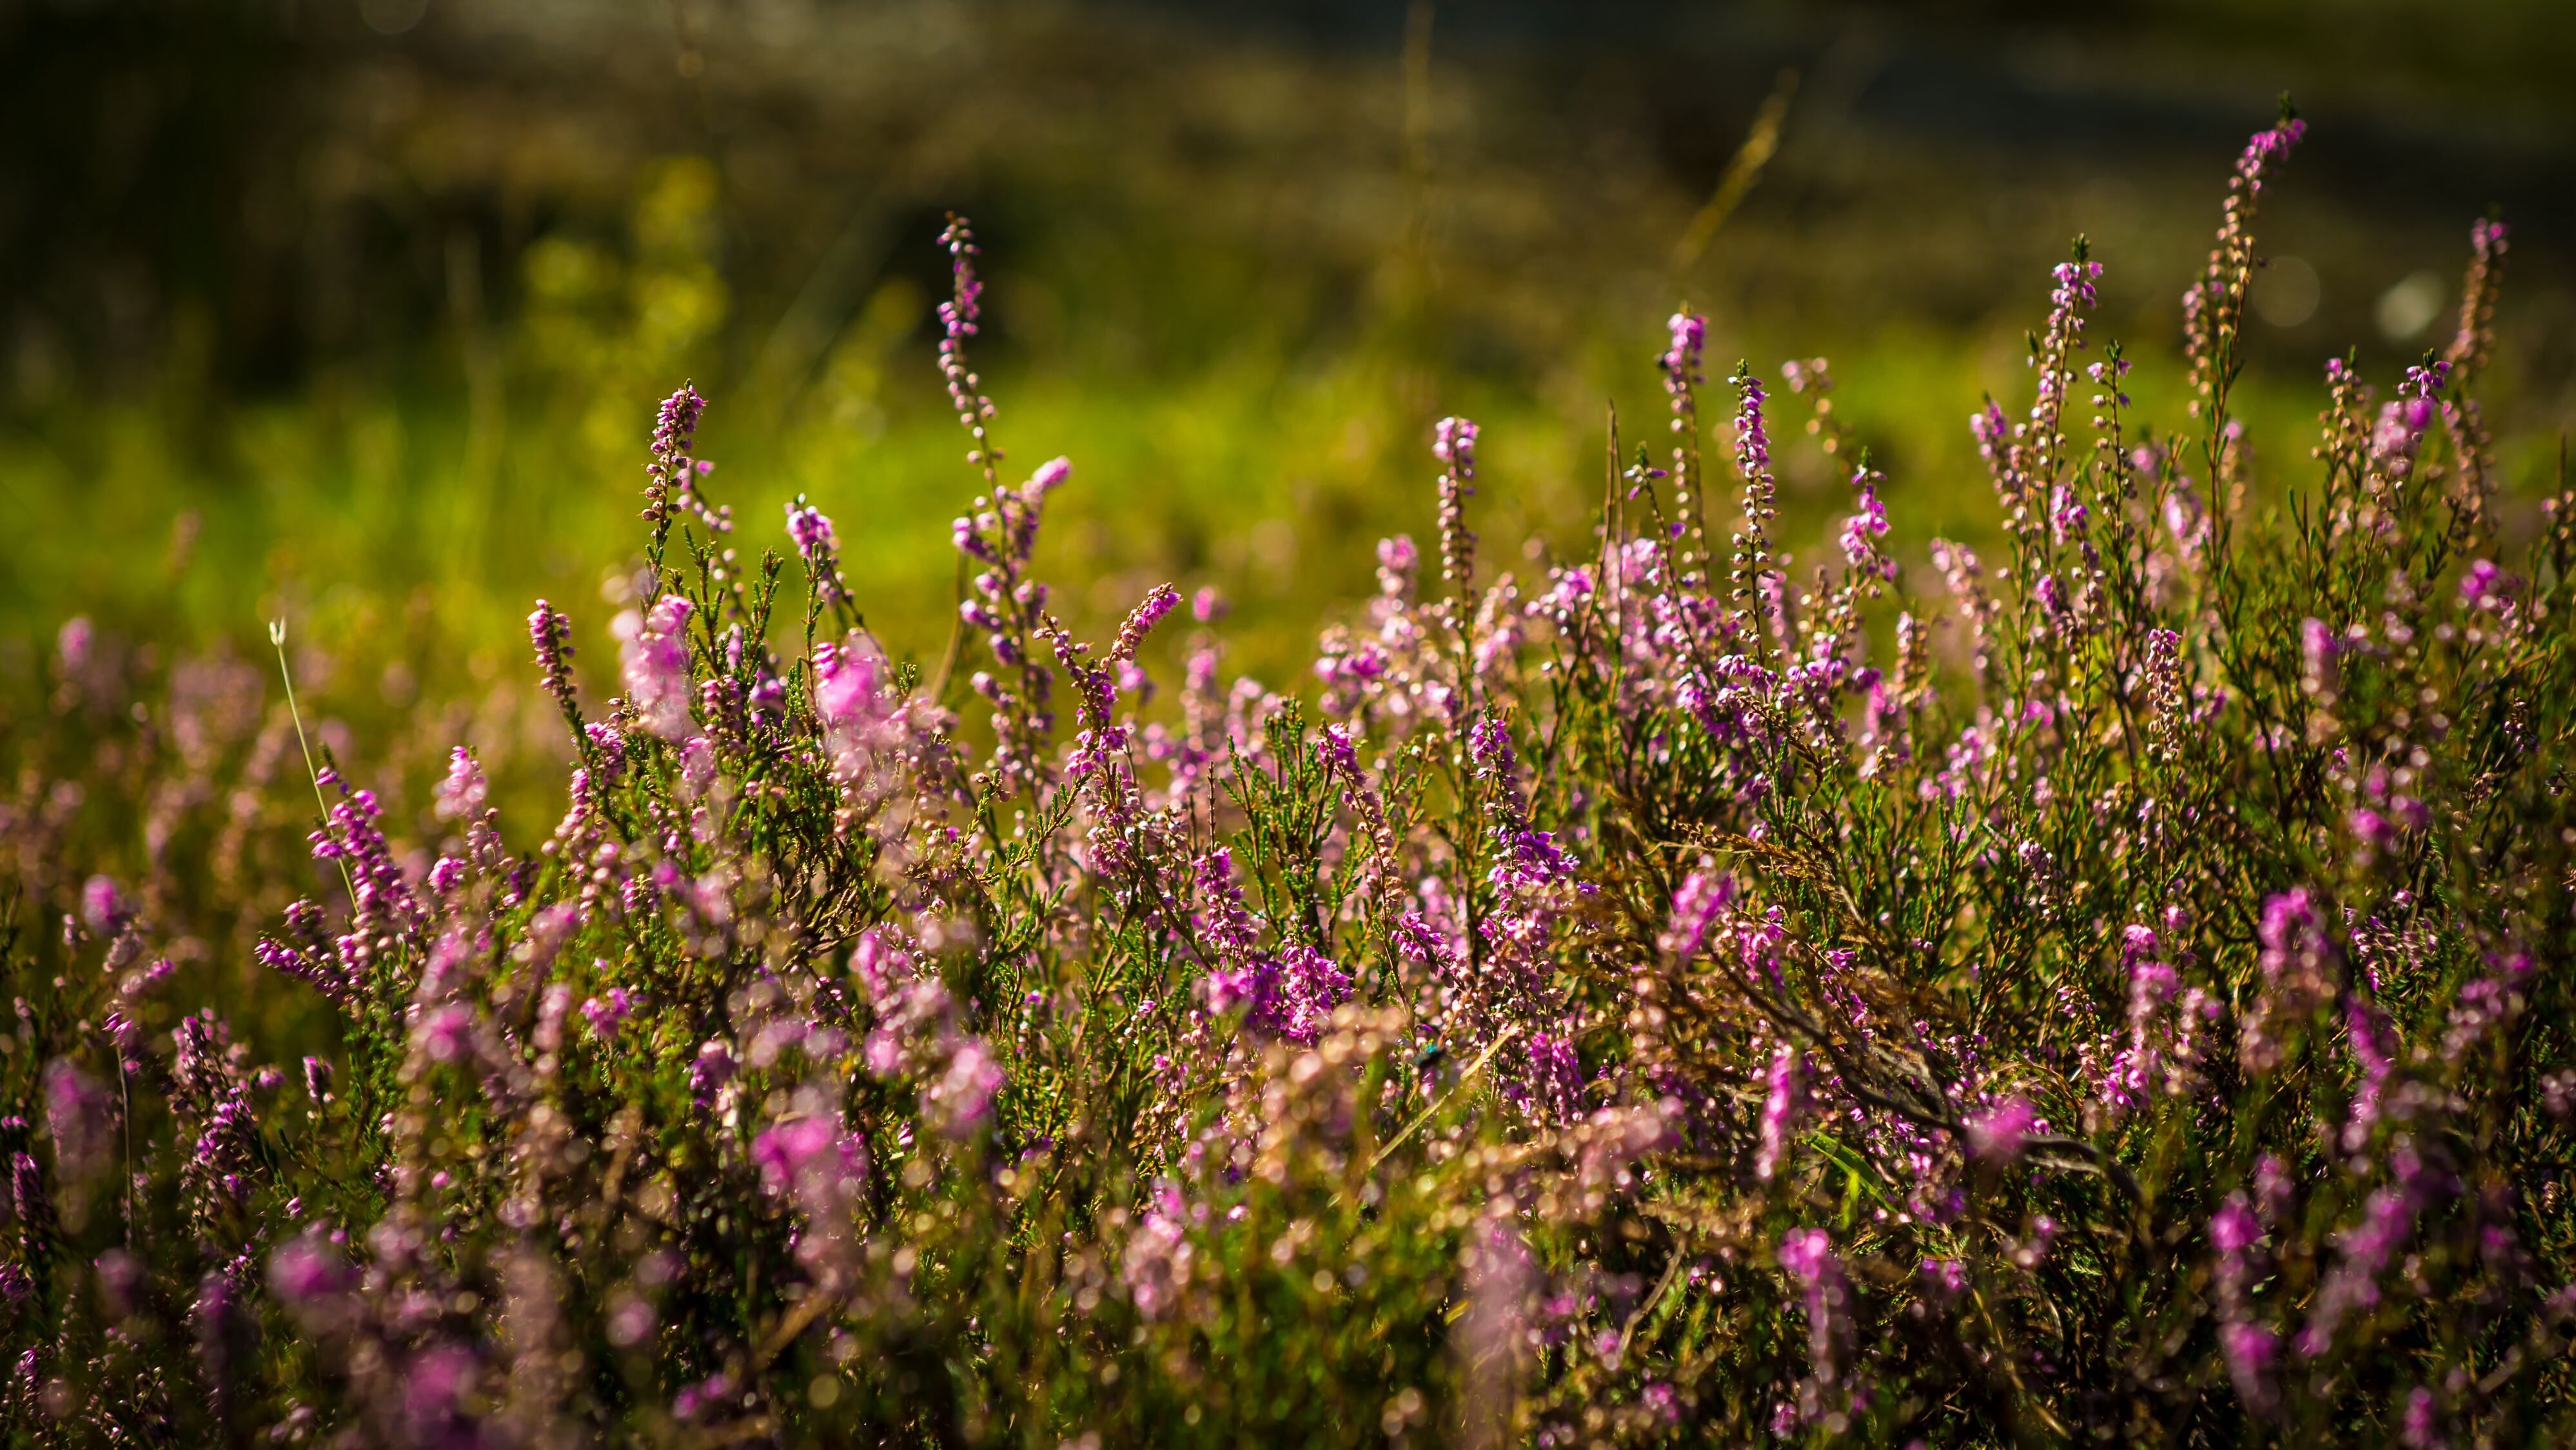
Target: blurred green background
{"x": 355, "y": 311}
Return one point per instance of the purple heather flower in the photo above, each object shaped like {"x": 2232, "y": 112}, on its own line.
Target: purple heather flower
{"x": 1698, "y": 902}
{"x": 2213, "y": 306}
{"x": 2032, "y": 1250}
{"x": 1454, "y": 444}
{"x": 630, "y": 1319}
{"x": 553, "y": 1005}
{"x": 2478, "y": 581}
{"x": 2486, "y": 1003}
{"x": 2558, "y": 1095}
{"x": 675, "y": 428}
{"x": 1944, "y": 1280}
{"x": 1228, "y": 990}
{"x": 1994, "y": 434}
{"x": 73, "y": 642}
{"x": 1762, "y": 947}
{"x": 2296, "y": 969}
{"x": 550, "y": 631}
{"x": 605, "y": 1013}
{"x": 2373, "y": 1042}
{"x": 697, "y": 767}
{"x": 462, "y": 793}
{"x": 811, "y": 532}
{"x": 120, "y": 1284}
{"x": 1223, "y": 922}
{"x": 2251, "y": 1351}
{"x": 1141, "y": 621}
{"x": 608, "y": 749}
{"x": 1860, "y": 533}
{"x": 2368, "y": 1248}
{"x": 445, "y": 875}
{"x": 29, "y": 1198}
{"x": 2319, "y": 676}
{"x": 958, "y": 315}
{"x": 1681, "y": 362}
{"x": 2068, "y": 302}
{"x": 2398, "y": 434}
{"x": 848, "y": 678}
{"x": 782, "y": 1150}
{"x": 81, "y": 1115}
{"x": 2232, "y": 1231}
{"x": 961, "y": 1098}
{"x": 309, "y": 1270}
{"x": 436, "y": 1383}
{"x": 1051, "y": 475}
{"x": 1295, "y": 994}
{"x": 713, "y": 1068}
{"x": 2144, "y": 1061}
{"x": 223, "y": 1329}
{"x": 103, "y": 907}
{"x": 2052, "y": 597}
{"x": 1681, "y": 366}
{"x": 2185, "y": 519}
{"x": 2487, "y": 588}
{"x": 1752, "y": 438}
{"x": 2236, "y": 1233}
{"x": 1996, "y": 1135}
{"x": 881, "y": 962}
{"x": 2420, "y": 1424}
{"x": 313, "y": 967}
{"x": 2067, "y": 516}
{"x": 1782, "y": 1103}
{"x": 1617, "y": 1138}
{"x": 1807, "y": 1254}
{"x": 822, "y": 1165}
{"x": 654, "y": 657}
{"x": 1159, "y": 1260}
{"x": 1555, "y": 1082}
{"x": 708, "y": 1394}
{"x": 446, "y": 1034}
{"x": 1338, "y": 755}
{"x": 1397, "y": 560}
{"x": 2272, "y": 1188}
{"x": 1502, "y": 1279}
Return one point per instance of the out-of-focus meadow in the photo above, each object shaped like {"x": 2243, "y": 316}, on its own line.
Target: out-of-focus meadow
{"x": 355, "y": 313}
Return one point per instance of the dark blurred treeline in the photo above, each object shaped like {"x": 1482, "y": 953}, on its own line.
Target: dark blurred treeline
{"x": 243, "y": 195}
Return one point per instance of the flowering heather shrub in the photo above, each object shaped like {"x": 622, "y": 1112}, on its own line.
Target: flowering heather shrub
{"x": 1667, "y": 1000}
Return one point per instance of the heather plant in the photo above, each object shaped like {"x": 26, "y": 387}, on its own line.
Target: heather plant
{"x": 1661, "y": 999}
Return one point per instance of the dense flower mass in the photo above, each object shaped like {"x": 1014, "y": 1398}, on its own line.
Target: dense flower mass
{"x": 1651, "y": 999}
